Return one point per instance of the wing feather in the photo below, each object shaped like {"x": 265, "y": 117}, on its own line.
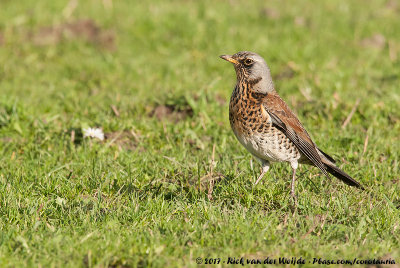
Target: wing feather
{"x": 284, "y": 119}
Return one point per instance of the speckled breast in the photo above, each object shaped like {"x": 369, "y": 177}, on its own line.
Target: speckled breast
{"x": 253, "y": 128}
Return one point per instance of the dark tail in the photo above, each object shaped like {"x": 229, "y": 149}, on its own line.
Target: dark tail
{"x": 343, "y": 176}
{"x": 327, "y": 155}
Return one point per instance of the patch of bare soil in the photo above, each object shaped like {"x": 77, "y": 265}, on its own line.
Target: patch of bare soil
{"x": 126, "y": 139}
{"x": 6, "y": 139}
{"x": 392, "y": 5}
{"x": 287, "y": 72}
{"x": 270, "y": 13}
{"x": 220, "y": 100}
{"x": 377, "y": 41}
{"x": 84, "y": 29}
{"x": 172, "y": 112}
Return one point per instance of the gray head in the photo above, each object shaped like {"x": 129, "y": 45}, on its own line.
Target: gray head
{"x": 251, "y": 68}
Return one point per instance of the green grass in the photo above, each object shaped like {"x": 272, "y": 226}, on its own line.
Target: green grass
{"x": 144, "y": 200}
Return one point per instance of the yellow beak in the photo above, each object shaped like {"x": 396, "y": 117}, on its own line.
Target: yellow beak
{"x": 229, "y": 58}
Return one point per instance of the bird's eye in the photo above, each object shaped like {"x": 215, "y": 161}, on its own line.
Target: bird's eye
{"x": 248, "y": 62}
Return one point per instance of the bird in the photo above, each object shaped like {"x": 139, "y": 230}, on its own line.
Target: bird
{"x": 266, "y": 126}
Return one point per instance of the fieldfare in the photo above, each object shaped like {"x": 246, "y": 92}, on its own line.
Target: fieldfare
{"x": 265, "y": 125}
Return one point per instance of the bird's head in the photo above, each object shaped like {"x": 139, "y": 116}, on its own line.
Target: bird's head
{"x": 251, "y": 68}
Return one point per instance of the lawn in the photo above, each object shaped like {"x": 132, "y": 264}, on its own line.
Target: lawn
{"x": 170, "y": 183}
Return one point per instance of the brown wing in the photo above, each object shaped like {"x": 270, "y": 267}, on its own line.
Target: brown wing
{"x": 284, "y": 119}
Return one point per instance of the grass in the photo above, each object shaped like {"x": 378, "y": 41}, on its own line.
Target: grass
{"x": 145, "y": 199}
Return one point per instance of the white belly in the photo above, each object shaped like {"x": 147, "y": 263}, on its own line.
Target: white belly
{"x": 268, "y": 147}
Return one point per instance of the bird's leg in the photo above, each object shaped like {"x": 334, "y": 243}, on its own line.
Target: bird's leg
{"x": 264, "y": 168}
{"x": 292, "y": 192}
{"x": 260, "y": 177}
